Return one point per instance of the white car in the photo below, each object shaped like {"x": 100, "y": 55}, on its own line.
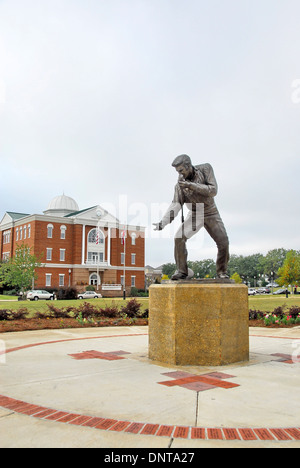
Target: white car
{"x": 89, "y": 295}
{"x": 37, "y": 294}
{"x": 251, "y": 292}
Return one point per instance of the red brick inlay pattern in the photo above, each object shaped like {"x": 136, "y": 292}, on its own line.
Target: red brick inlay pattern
{"x": 112, "y": 356}
{"x": 286, "y": 358}
{"x": 198, "y": 383}
{"x": 183, "y": 432}
{"x": 190, "y": 381}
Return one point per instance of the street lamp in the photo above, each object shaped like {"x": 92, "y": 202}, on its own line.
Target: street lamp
{"x": 272, "y": 280}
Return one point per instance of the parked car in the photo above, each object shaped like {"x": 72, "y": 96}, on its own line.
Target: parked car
{"x": 274, "y": 285}
{"x": 282, "y": 291}
{"x": 251, "y": 292}
{"x": 89, "y": 295}
{"x": 37, "y": 294}
{"x": 263, "y": 291}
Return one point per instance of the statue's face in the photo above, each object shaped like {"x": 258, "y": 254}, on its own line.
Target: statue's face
{"x": 185, "y": 170}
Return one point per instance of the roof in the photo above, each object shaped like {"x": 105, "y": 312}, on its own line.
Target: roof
{"x": 75, "y": 213}
{"x": 16, "y": 216}
{"x": 63, "y": 202}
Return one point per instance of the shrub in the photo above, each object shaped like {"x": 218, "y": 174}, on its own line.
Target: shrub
{"x": 58, "y": 313}
{"x": 20, "y": 314}
{"x": 145, "y": 314}
{"x": 42, "y": 315}
{"x": 132, "y": 309}
{"x": 294, "y": 312}
{"x": 86, "y": 310}
{"x": 67, "y": 293}
{"x": 110, "y": 312}
{"x": 134, "y": 291}
{"x": 279, "y": 311}
{"x": 5, "y": 314}
{"x": 256, "y": 314}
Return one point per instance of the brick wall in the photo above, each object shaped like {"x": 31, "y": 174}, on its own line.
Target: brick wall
{"x": 72, "y": 244}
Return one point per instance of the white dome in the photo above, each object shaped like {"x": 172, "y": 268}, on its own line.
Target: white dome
{"x": 63, "y": 203}
{"x": 61, "y": 206}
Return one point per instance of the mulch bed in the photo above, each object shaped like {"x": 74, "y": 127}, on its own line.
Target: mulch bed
{"x": 52, "y": 324}
{"x": 260, "y": 323}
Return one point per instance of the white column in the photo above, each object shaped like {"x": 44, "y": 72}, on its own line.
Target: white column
{"x": 83, "y": 245}
{"x": 108, "y": 245}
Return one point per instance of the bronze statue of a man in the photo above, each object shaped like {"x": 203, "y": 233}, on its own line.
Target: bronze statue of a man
{"x": 196, "y": 188}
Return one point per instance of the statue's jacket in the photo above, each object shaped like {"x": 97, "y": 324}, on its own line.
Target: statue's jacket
{"x": 203, "y": 191}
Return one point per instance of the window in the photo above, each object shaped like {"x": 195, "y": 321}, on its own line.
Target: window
{"x": 96, "y": 236}
{"x": 6, "y": 237}
{"x": 122, "y": 258}
{"x": 21, "y": 233}
{"x": 62, "y": 255}
{"x": 29, "y": 231}
{"x": 94, "y": 279}
{"x": 5, "y": 256}
{"x": 48, "y": 279}
{"x": 49, "y": 254}
{"x": 95, "y": 257}
{"x": 17, "y": 234}
{"x": 133, "y": 281}
{"x": 25, "y": 232}
{"x": 95, "y": 246}
{"x": 133, "y": 238}
{"x": 133, "y": 259}
{"x": 50, "y": 231}
{"x": 63, "y": 232}
{"x": 61, "y": 280}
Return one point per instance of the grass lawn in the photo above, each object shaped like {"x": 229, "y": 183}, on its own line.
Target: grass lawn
{"x": 41, "y": 306}
{"x": 269, "y": 303}
{"x": 263, "y": 303}
{"x": 8, "y": 298}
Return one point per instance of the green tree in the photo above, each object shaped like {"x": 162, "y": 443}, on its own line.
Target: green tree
{"x": 289, "y": 273}
{"x": 169, "y": 269}
{"x": 273, "y": 261}
{"x": 20, "y": 270}
{"x": 248, "y": 267}
{"x": 203, "y": 268}
{"x": 236, "y": 277}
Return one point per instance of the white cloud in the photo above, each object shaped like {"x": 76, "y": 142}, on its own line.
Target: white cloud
{"x": 98, "y": 97}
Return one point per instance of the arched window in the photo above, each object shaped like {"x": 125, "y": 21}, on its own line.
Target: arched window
{"x": 94, "y": 279}
{"x": 50, "y": 231}
{"x": 96, "y": 236}
{"x": 133, "y": 238}
{"x": 95, "y": 247}
{"x": 63, "y": 232}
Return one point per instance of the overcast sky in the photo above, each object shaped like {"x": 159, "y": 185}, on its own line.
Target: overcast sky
{"x": 97, "y": 97}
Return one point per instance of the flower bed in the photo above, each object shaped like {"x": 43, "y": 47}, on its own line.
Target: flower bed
{"x": 278, "y": 318}
{"x": 86, "y": 315}
{"x": 89, "y": 315}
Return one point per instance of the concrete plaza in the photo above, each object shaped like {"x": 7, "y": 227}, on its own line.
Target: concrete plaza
{"x": 96, "y": 387}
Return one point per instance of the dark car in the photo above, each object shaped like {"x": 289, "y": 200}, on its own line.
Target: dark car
{"x": 282, "y": 291}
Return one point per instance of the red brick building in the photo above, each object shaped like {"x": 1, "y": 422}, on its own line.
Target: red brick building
{"x": 77, "y": 247}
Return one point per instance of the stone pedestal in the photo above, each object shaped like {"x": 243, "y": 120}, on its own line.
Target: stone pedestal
{"x": 202, "y": 324}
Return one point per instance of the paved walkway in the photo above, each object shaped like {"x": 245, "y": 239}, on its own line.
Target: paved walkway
{"x": 96, "y": 387}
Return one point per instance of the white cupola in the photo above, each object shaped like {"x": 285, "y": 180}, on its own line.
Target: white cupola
{"x": 61, "y": 206}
